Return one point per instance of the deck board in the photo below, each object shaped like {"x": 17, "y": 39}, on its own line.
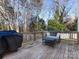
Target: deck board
{"x": 39, "y": 51}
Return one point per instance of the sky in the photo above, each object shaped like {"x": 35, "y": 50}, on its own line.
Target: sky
{"x": 73, "y": 8}
{"x": 47, "y": 13}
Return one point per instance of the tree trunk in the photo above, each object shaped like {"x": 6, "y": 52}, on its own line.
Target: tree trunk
{"x": 17, "y": 26}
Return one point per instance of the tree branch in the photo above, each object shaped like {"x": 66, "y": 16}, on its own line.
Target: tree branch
{"x": 3, "y": 16}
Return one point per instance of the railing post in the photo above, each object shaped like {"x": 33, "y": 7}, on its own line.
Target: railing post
{"x": 34, "y": 35}
{"x": 42, "y": 35}
{"x": 78, "y": 37}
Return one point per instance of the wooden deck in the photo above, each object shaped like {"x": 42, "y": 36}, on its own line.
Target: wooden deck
{"x": 39, "y": 51}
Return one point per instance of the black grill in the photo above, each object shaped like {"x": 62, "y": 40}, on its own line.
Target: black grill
{"x": 10, "y": 41}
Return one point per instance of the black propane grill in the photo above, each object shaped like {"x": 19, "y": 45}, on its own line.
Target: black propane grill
{"x": 10, "y": 41}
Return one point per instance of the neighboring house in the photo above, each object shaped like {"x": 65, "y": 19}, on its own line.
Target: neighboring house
{"x": 69, "y": 20}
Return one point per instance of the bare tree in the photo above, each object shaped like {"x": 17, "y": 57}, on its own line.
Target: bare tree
{"x": 30, "y": 7}
{"x": 37, "y": 4}
{"x": 25, "y": 10}
{"x": 62, "y": 9}
{"x": 7, "y": 12}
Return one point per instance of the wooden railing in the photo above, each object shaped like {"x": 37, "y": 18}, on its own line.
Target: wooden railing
{"x": 70, "y": 35}
{"x": 39, "y": 35}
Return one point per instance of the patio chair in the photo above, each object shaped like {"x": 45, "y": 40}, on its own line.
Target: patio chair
{"x": 51, "y": 38}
